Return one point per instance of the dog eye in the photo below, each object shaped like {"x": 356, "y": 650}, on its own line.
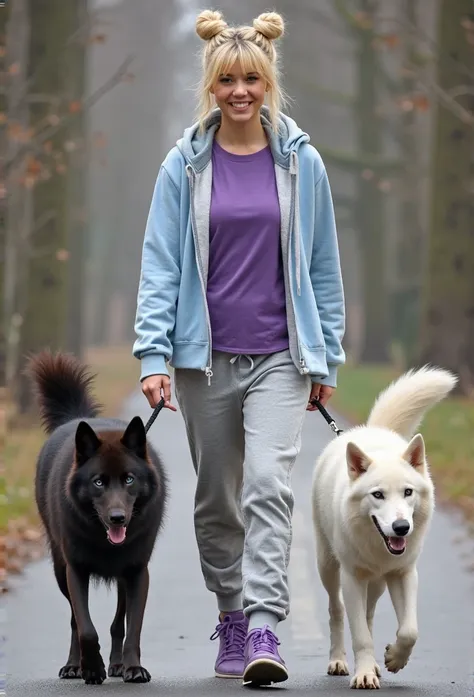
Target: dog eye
{"x": 377, "y": 495}
{"x": 129, "y": 480}
{"x": 408, "y": 492}
{"x": 98, "y": 482}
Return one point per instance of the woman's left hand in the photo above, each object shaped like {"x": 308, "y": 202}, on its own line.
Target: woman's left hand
{"x": 321, "y": 392}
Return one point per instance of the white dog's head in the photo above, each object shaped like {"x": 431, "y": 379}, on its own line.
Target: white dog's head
{"x": 395, "y": 492}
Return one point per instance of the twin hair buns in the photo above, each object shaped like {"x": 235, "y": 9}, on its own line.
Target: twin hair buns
{"x": 210, "y": 23}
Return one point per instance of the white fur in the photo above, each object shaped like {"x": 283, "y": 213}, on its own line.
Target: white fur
{"x": 383, "y": 456}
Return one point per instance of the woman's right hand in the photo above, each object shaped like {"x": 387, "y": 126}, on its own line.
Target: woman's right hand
{"x": 156, "y": 386}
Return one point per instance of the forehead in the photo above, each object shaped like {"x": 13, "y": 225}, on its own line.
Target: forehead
{"x": 391, "y": 476}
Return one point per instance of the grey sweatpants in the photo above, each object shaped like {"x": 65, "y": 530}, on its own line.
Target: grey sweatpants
{"x": 244, "y": 433}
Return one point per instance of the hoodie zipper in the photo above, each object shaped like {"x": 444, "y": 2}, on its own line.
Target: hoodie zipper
{"x": 208, "y": 368}
{"x": 303, "y": 369}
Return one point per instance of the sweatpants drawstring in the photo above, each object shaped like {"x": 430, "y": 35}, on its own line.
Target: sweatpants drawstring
{"x": 242, "y": 355}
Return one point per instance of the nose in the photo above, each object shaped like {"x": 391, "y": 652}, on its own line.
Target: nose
{"x": 117, "y": 516}
{"x": 401, "y": 527}
{"x": 240, "y": 88}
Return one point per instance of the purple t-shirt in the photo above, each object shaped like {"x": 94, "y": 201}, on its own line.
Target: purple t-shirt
{"x": 246, "y": 288}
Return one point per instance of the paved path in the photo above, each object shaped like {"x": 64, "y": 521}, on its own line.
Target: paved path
{"x": 181, "y": 614}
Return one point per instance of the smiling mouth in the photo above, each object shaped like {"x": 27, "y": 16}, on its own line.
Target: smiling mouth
{"x": 395, "y": 545}
{"x": 116, "y": 534}
{"x": 240, "y": 106}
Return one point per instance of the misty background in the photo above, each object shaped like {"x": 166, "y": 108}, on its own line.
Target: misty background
{"x": 94, "y": 94}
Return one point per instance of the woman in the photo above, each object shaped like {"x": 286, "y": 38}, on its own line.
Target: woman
{"x": 241, "y": 293}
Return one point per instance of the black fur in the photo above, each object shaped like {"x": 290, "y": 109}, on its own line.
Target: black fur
{"x": 96, "y": 476}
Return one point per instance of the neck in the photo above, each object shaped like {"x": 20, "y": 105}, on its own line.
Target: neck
{"x": 249, "y": 136}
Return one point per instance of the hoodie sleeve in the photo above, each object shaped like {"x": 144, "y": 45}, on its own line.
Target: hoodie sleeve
{"x": 326, "y": 279}
{"x": 159, "y": 279}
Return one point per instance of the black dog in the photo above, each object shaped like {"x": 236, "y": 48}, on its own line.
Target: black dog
{"x": 101, "y": 492}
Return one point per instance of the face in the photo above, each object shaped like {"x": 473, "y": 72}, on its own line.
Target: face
{"x": 239, "y": 95}
{"x": 111, "y": 477}
{"x": 391, "y": 493}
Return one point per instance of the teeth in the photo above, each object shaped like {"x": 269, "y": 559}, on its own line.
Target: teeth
{"x": 240, "y": 105}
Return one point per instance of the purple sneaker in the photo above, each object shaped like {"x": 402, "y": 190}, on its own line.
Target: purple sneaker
{"x": 231, "y": 632}
{"x": 263, "y": 663}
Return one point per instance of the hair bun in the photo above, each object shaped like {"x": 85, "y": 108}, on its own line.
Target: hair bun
{"x": 270, "y": 24}
{"x": 210, "y": 23}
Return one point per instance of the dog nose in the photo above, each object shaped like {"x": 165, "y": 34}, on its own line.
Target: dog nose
{"x": 117, "y": 517}
{"x": 401, "y": 527}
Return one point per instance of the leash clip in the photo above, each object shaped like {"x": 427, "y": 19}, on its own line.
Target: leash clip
{"x": 332, "y": 424}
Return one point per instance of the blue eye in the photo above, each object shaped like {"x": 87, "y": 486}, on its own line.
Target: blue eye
{"x": 408, "y": 492}
{"x": 129, "y": 480}
{"x": 98, "y": 483}
{"x": 377, "y": 495}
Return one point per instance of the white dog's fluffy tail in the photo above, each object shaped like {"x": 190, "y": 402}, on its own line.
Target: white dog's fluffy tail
{"x": 403, "y": 404}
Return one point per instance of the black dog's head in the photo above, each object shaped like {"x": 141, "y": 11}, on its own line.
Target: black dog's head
{"x": 112, "y": 475}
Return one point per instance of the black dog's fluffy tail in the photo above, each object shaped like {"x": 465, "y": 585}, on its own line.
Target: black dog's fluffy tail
{"x": 63, "y": 389}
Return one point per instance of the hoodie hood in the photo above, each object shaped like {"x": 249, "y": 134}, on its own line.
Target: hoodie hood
{"x": 196, "y": 147}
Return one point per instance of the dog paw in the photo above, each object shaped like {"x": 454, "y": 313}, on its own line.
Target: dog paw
{"x": 70, "y": 672}
{"x": 365, "y": 681}
{"x": 115, "y": 670}
{"x": 136, "y": 674}
{"x": 395, "y": 659}
{"x": 93, "y": 672}
{"x": 339, "y": 667}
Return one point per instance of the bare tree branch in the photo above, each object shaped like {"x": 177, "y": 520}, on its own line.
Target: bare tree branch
{"x": 35, "y": 146}
{"x": 447, "y": 100}
{"x": 419, "y": 33}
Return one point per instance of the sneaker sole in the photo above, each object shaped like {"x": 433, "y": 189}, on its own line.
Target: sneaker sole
{"x": 227, "y": 676}
{"x": 264, "y": 671}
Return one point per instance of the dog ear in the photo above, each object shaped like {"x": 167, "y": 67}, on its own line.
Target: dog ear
{"x": 415, "y": 452}
{"x": 357, "y": 461}
{"x": 87, "y": 442}
{"x": 134, "y": 437}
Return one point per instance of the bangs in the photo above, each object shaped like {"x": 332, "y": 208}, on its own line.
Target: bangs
{"x": 248, "y": 56}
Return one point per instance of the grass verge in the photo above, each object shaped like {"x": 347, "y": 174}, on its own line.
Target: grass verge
{"x": 117, "y": 374}
{"x": 448, "y": 430}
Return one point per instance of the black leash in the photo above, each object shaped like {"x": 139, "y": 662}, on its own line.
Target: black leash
{"x": 155, "y": 413}
{"x": 327, "y": 416}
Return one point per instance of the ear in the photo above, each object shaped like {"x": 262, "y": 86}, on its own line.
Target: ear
{"x": 134, "y": 437}
{"x": 357, "y": 461}
{"x": 415, "y": 452}
{"x": 87, "y": 442}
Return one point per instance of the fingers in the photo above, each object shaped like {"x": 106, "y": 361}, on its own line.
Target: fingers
{"x": 325, "y": 394}
{"x": 321, "y": 392}
{"x": 314, "y": 394}
{"x": 154, "y": 387}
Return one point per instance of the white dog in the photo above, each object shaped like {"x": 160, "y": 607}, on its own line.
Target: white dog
{"x": 373, "y": 500}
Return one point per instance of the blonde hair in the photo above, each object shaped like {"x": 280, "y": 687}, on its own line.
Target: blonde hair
{"x": 252, "y": 46}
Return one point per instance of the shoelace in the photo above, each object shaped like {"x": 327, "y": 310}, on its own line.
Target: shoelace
{"x": 265, "y": 640}
{"x": 233, "y": 633}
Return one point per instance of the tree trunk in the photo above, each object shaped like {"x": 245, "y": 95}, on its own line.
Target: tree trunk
{"x": 369, "y": 209}
{"x": 77, "y": 214}
{"x": 7, "y": 27}
{"x": 448, "y": 321}
{"x": 44, "y": 320}
{"x": 16, "y": 197}
{"x": 405, "y": 312}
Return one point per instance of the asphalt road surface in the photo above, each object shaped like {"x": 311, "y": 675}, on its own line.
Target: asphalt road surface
{"x": 181, "y": 615}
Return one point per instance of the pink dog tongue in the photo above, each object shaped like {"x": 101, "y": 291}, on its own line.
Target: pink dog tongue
{"x": 398, "y": 543}
{"x": 117, "y": 535}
